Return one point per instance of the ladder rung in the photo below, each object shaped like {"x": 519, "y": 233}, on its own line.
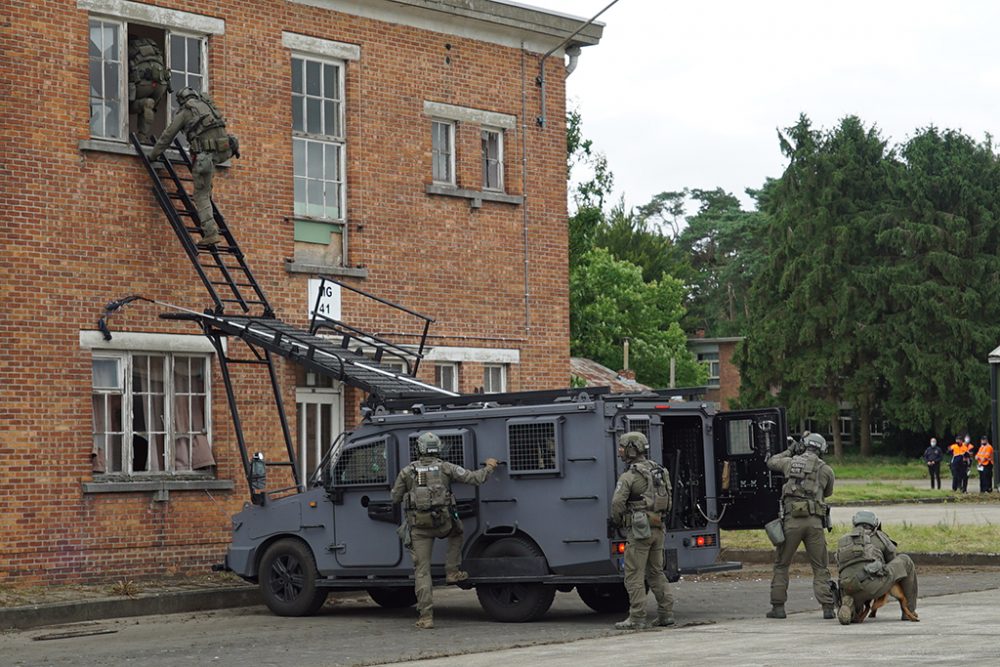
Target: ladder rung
{"x": 284, "y": 464}
{"x": 244, "y": 301}
{"x": 226, "y": 282}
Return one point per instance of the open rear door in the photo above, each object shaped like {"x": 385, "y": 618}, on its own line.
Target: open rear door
{"x": 743, "y": 441}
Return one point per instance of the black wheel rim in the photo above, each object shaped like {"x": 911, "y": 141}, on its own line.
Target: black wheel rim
{"x": 287, "y": 580}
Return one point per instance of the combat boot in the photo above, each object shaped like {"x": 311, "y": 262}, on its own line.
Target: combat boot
{"x": 209, "y": 240}
{"x": 777, "y": 611}
{"x": 846, "y": 612}
{"x": 456, "y": 576}
{"x": 631, "y": 624}
{"x": 664, "y": 620}
{"x": 828, "y": 612}
{"x": 425, "y": 623}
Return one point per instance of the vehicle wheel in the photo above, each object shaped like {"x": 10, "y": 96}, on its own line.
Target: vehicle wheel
{"x": 514, "y": 603}
{"x": 287, "y": 578}
{"x": 604, "y": 598}
{"x": 396, "y": 597}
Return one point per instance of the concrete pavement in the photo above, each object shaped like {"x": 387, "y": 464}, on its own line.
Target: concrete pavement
{"x": 954, "y": 630}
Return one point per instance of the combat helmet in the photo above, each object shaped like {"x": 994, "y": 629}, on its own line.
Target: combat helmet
{"x": 865, "y": 517}
{"x": 816, "y": 441}
{"x": 185, "y": 93}
{"x": 429, "y": 444}
{"x": 633, "y": 445}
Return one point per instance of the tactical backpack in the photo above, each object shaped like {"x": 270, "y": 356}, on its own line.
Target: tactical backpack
{"x": 145, "y": 61}
{"x": 428, "y": 500}
{"x": 207, "y": 132}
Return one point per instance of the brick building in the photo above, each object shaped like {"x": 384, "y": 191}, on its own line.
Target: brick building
{"x": 390, "y": 143}
{"x": 723, "y": 375}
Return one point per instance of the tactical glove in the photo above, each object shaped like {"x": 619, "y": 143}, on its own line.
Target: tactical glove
{"x": 491, "y": 463}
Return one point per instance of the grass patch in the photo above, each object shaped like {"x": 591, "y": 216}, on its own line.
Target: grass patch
{"x": 881, "y": 468}
{"x": 937, "y": 538}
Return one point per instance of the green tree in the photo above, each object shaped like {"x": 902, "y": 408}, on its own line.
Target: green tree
{"x": 940, "y": 268}
{"x": 610, "y": 302}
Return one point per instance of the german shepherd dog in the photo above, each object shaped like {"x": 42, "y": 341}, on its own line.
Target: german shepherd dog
{"x": 872, "y": 606}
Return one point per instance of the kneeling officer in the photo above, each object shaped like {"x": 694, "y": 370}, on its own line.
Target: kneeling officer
{"x": 425, "y": 485}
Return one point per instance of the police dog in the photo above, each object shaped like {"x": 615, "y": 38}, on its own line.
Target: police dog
{"x": 872, "y": 606}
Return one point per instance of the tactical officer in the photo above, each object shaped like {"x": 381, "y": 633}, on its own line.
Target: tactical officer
{"x": 640, "y": 505}
{"x": 210, "y": 145}
{"x": 425, "y": 486}
{"x": 809, "y": 481}
{"x": 868, "y": 565}
{"x": 148, "y": 82}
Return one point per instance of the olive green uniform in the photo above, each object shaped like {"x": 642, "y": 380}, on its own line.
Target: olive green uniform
{"x": 148, "y": 82}
{"x": 450, "y": 526}
{"x": 803, "y": 522}
{"x": 210, "y": 145}
{"x": 643, "y": 557}
{"x": 869, "y": 563}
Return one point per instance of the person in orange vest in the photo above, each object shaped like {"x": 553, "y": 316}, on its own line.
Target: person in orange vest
{"x": 984, "y": 464}
{"x": 959, "y": 464}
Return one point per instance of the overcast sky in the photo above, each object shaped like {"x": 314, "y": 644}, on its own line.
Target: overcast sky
{"x": 690, "y": 94}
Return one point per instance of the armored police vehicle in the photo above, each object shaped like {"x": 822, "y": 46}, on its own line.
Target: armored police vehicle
{"x": 539, "y": 525}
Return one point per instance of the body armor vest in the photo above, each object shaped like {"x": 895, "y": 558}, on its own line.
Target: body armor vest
{"x": 857, "y": 547}
{"x": 657, "y": 496}
{"x": 803, "y": 478}
{"x": 429, "y": 491}
{"x": 207, "y": 131}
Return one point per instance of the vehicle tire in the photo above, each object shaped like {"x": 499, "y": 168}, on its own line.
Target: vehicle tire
{"x": 604, "y": 598}
{"x": 519, "y": 602}
{"x": 287, "y": 578}
{"x": 395, "y": 597}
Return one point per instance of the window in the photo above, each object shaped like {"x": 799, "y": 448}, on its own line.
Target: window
{"x": 151, "y": 413}
{"x": 446, "y": 376}
{"x": 318, "y": 138}
{"x": 711, "y": 359}
{"x": 638, "y": 423}
{"x": 492, "y": 141}
{"x": 364, "y": 464}
{"x": 110, "y": 115}
{"x": 531, "y": 447}
{"x": 452, "y": 447}
{"x": 739, "y": 438}
{"x": 494, "y": 379}
{"x": 107, "y": 56}
{"x": 443, "y": 151}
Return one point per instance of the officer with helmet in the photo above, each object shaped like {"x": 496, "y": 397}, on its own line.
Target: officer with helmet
{"x": 424, "y": 488}
{"x": 809, "y": 482}
{"x": 210, "y": 145}
{"x": 868, "y": 564}
{"x": 640, "y": 505}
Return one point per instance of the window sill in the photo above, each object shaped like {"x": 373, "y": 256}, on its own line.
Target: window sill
{"x": 292, "y": 266}
{"x": 475, "y": 197}
{"x": 160, "y": 487}
{"x": 123, "y": 148}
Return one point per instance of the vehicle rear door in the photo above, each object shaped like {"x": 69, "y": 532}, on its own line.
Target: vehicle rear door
{"x": 743, "y": 441}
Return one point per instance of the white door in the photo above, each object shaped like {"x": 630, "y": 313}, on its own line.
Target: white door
{"x": 320, "y": 420}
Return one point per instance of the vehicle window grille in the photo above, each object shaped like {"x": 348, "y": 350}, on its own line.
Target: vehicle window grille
{"x": 363, "y": 465}
{"x": 452, "y": 448}
{"x": 532, "y": 447}
{"x": 740, "y": 440}
{"x": 640, "y": 424}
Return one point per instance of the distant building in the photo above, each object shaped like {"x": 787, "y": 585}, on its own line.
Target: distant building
{"x": 723, "y": 376}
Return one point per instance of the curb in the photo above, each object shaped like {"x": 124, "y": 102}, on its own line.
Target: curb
{"x": 33, "y": 616}
{"x": 757, "y": 556}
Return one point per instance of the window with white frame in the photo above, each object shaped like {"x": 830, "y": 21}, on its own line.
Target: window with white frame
{"x": 443, "y": 151}
{"x": 446, "y": 376}
{"x": 711, "y": 360}
{"x": 492, "y": 141}
{"x": 494, "y": 378}
{"x": 151, "y": 413}
{"x": 185, "y": 54}
{"x": 318, "y": 140}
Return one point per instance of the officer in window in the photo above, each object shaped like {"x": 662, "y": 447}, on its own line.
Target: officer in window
{"x": 805, "y": 514}
{"x": 205, "y": 129}
{"x": 640, "y": 505}
{"x": 869, "y": 565}
{"x": 148, "y": 83}
{"x": 424, "y": 488}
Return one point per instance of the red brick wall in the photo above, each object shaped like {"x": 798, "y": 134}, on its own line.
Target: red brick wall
{"x": 78, "y": 228}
